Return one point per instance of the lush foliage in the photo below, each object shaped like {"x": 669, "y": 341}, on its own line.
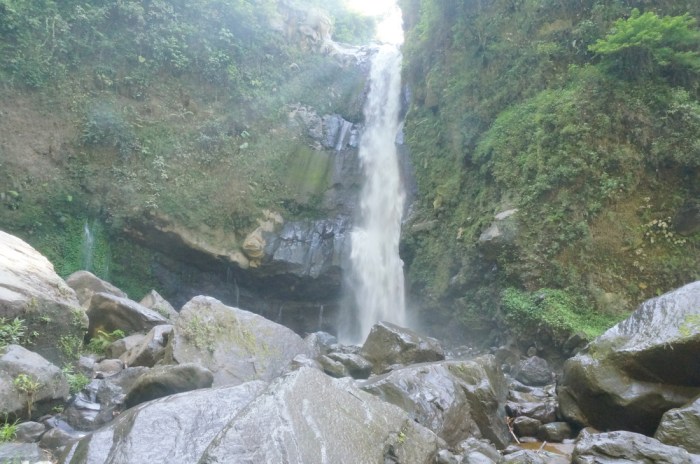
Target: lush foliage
{"x": 99, "y": 343}
{"x": 12, "y": 332}
{"x": 8, "y": 430}
{"x": 643, "y": 43}
{"x": 527, "y": 106}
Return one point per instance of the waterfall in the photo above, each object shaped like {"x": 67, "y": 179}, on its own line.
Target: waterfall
{"x": 377, "y": 270}
{"x": 87, "y": 249}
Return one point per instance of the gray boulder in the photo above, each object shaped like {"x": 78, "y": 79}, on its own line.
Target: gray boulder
{"x": 45, "y": 385}
{"x": 534, "y": 371}
{"x": 168, "y": 380}
{"x": 536, "y": 457}
{"x": 108, "y": 313}
{"x": 11, "y": 453}
{"x": 175, "y": 429}
{"x": 454, "y": 399}
{"x": 645, "y": 365}
{"x": 357, "y": 366}
{"x": 151, "y": 349}
{"x": 625, "y": 448}
{"x": 307, "y": 417}
{"x": 31, "y": 291}
{"x": 236, "y": 345}
{"x": 500, "y": 235}
{"x": 388, "y": 344}
{"x": 154, "y": 301}
{"x": 681, "y": 427}
{"x": 29, "y": 432}
{"x": 121, "y": 346}
{"x": 86, "y": 284}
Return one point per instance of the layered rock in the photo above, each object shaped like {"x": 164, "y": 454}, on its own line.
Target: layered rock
{"x": 86, "y": 284}
{"x": 388, "y": 344}
{"x": 626, "y": 447}
{"x": 31, "y": 291}
{"x": 681, "y": 427}
{"x": 642, "y": 367}
{"x": 108, "y": 313}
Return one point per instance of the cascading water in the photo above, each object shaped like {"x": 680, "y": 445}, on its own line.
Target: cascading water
{"x": 377, "y": 270}
{"x": 87, "y": 251}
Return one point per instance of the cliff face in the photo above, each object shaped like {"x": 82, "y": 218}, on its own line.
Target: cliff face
{"x": 556, "y": 155}
{"x": 186, "y": 146}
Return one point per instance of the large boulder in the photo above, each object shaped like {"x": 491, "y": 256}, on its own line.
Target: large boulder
{"x": 86, "y": 284}
{"x": 29, "y": 385}
{"x": 108, "y": 313}
{"x": 236, "y": 345}
{"x": 151, "y": 349}
{"x": 637, "y": 370}
{"x": 175, "y": 429}
{"x": 454, "y": 399}
{"x": 627, "y": 447}
{"x": 681, "y": 427}
{"x": 153, "y": 300}
{"x": 388, "y": 344}
{"x": 31, "y": 291}
{"x": 307, "y": 417}
{"x": 168, "y": 380}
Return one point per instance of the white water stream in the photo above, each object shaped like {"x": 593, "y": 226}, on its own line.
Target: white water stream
{"x": 377, "y": 270}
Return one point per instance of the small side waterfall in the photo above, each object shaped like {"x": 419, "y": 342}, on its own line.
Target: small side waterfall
{"x": 377, "y": 269}
{"x": 87, "y": 249}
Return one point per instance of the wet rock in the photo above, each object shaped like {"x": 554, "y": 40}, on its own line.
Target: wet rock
{"x": 534, "y": 457}
{"x": 168, "y": 380}
{"x": 320, "y": 342}
{"x": 86, "y": 284}
{"x": 500, "y": 235}
{"x": 534, "y": 371}
{"x": 357, "y": 366}
{"x": 46, "y": 386}
{"x": 30, "y": 290}
{"x": 302, "y": 360}
{"x": 29, "y": 432}
{"x": 108, "y": 367}
{"x": 315, "y": 419}
{"x": 388, "y": 344}
{"x": 236, "y": 345}
{"x": 476, "y": 457}
{"x": 626, "y": 447}
{"x": 526, "y": 426}
{"x": 121, "y": 346}
{"x": 544, "y": 412}
{"x": 55, "y": 439}
{"x": 108, "y": 313}
{"x": 151, "y": 349}
{"x": 454, "y": 399}
{"x": 154, "y": 301}
{"x": 480, "y": 446}
{"x": 191, "y": 419}
{"x": 554, "y": 432}
{"x": 681, "y": 427}
{"x": 637, "y": 370}
{"x": 447, "y": 457}
{"x": 332, "y": 367}
{"x": 23, "y": 452}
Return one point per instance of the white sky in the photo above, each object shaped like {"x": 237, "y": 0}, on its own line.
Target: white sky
{"x": 390, "y": 27}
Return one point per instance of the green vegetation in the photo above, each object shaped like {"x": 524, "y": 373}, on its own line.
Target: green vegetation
{"x": 76, "y": 380}
{"x": 29, "y": 386}
{"x": 99, "y": 343}
{"x": 201, "y": 333}
{"x": 12, "y": 332}
{"x": 582, "y": 116}
{"x": 8, "y": 430}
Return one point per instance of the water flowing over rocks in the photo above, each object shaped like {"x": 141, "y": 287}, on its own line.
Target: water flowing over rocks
{"x": 236, "y": 345}
{"x": 637, "y": 370}
{"x": 30, "y": 290}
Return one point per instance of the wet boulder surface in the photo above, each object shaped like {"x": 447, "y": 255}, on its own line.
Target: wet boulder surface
{"x": 454, "y": 399}
{"x": 388, "y": 344}
{"x": 632, "y": 374}
{"x": 235, "y": 345}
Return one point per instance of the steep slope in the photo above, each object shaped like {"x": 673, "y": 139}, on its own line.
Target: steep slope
{"x": 557, "y": 151}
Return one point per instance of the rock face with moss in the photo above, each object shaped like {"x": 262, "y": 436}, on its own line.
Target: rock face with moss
{"x": 236, "y": 345}
{"x": 642, "y": 367}
{"x": 46, "y": 309}
{"x": 528, "y": 107}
